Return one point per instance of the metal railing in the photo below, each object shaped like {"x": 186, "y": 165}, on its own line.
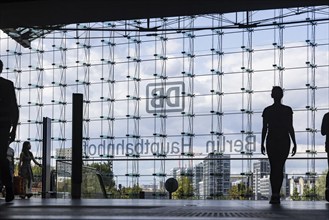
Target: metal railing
{"x": 92, "y": 181}
{"x": 220, "y": 184}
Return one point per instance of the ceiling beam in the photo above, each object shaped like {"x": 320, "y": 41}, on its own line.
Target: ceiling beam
{"x": 28, "y": 13}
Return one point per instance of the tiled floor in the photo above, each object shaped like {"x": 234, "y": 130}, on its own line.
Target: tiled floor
{"x": 160, "y": 209}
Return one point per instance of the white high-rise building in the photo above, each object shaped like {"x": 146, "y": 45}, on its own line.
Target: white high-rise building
{"x": 197, "y": 178}
{"x": 174, "y": 172}
{"x": 201, "y": 190}
{"x": 265, "y": 186}
{"x": 64, "y": 168}
{"x": 260, "y": 170}
{"x": 216, "y": 175}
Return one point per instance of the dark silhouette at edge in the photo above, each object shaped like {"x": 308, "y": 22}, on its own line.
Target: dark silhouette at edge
{"x": 277, "y": 131}
{"x": 8, "y": 123}
{"x": 325, "y": 131}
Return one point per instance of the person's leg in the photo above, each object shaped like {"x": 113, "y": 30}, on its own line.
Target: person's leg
{"x": 29, "y": 186}
{"x": 11, "y": 171}
{"x": 25, "y": 186}
{"x": 327, "y": 179}
{"x": 272, "y": 164}
{"x": 2, "y": 189}
{"x": 278, "y": 176}
{"x": 277, "y": 151}
{"x": 29, "y": 190}
{"x": 4, "y": 163}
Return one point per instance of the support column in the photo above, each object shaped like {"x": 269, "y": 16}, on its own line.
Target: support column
{"x": 46, "y": 151}
{"x": 77, "y": 116}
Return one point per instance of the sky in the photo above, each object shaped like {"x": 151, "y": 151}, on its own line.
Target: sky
{"x": 66, "y": 52}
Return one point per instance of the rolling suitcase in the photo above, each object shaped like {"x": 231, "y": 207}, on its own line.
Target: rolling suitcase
{"x": 19, "y": 186}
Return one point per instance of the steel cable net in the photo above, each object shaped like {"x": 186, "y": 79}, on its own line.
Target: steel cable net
{"x": 179, "y": 97}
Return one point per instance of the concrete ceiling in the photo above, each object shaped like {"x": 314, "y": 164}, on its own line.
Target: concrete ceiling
{"x": 28, "y": 13}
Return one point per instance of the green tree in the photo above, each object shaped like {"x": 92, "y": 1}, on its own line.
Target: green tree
{"x": 310, "y": 194}
{"x": 185, "y": 188}
{"x": 295, "y": 195}
{"x": 234, "y": 192}
{"x": 105, "y": 169}
{"x": 37, "y": 171}
{"x": 131, "y": 192}
{"x": 240, "y": 192}
{"x": 321, "y": 185}
{"x": 306, "y": 193}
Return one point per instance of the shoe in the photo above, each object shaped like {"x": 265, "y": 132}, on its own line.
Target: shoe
{"x": 275, "y": 200}
{"x": 9, "y": 194}
{"x": 3, "y": 191}
{"x": 29, "y": 195}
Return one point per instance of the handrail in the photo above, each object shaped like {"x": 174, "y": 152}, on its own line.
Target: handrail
{"x": 101, "y": 182}
{"x": 248, "y": 157}
{"x": 90, "y": 169}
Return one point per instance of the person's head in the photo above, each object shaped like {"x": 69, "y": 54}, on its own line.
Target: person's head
{"x": 277, "y": 93}
{"x": 26, "y": 146}
{"x": 1, "y": 66}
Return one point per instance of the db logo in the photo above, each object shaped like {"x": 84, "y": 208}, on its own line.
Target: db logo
{"x": 165, "y": 96}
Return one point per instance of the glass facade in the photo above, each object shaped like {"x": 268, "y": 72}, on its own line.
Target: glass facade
{"x": 164, "y": 93}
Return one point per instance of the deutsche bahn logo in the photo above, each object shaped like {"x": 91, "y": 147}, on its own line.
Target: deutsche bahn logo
{"x": 167, "y": 96}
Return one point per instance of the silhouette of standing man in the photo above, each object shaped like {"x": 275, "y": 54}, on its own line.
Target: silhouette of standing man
{"x": 325, "y": 131}
{"x": 8, "y": 124}
{"x": 277, "y": 129}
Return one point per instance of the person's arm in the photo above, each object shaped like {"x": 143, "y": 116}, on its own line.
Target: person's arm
{"x": 292, "y": 134}
{"x": 264, "y": 132}
{"x": 34, "y": 160}
{"x": 12, "y": 156}
{"x": 13, "y": 163}
{"x": 14, "y": 113}
{"x": 324, "y": 125}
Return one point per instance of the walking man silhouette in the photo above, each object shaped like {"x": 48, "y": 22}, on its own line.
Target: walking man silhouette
{"x": 8, "y": 124}
{"x": 277, "y": 129}
{"x": 325, "y": 131}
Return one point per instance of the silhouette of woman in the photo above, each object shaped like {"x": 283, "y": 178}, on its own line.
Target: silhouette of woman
{"x": 325, "y": 131}
{"x": 277, "y": 129}
{"x": 25, "y": 169}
